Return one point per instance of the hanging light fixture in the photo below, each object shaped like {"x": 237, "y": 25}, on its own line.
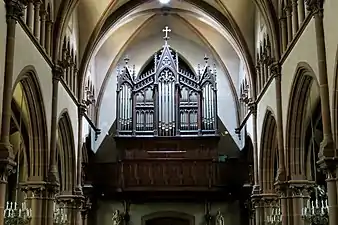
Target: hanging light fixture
{"x": 164, "y": 1}
{"x": 15, "y": 213}
{"x": 59, "y": 215}
{"x": 275, "y": 218}
{"x": 316, "y": 210}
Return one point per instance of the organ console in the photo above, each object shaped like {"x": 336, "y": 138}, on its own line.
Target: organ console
{"x": 167, "y": 98}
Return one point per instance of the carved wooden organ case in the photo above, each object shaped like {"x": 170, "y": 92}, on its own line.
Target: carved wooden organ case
{"x": 167, "y": 99}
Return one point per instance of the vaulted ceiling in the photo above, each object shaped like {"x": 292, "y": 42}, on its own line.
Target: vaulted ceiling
{"x": 108, "y": 27}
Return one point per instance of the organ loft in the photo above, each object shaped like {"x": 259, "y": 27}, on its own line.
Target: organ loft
{"x": 167, "y": 137}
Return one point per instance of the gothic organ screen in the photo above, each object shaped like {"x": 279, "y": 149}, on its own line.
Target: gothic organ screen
{"x": 167, "y": 98}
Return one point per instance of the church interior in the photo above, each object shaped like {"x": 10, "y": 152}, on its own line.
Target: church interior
{"x": 168, "y": 112}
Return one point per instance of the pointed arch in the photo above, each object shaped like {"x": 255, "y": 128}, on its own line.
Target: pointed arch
{"x": 66, "y": 153}
{"x": 268, "y": 153}
{"x": 38, "y": 139}
{"x": 295, "y": 126}
{"x": 335, "y": 101}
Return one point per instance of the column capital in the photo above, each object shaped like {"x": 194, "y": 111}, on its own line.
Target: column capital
{"x": 74, "y": 201}
{"x": 43, "y": 13}
{"x": 281, "y": 188}
{"x": 57, "y": 72}
{"x": 275, "y": 69}
{"x": 300, "y": 188}
{"x": 252, "y": 106}
{"x": 14, "y": 9}
{"x": 36, "y": 187}
{"x": 314, "y": 6}
{"x": 37, "y": 2}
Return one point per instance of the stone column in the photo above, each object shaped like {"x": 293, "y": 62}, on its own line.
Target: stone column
{"x": 14, "y": 10}
{"x": 37, "y": 5}
{"x": 299, "y": 193}
{"x": 253, "y": 109}
{"x": 43, "y": 14}
{"x": 37, "y": 190}
{"x": 30, "y": 14}
{"x": 53, "y": 175}
{"x": 81, "y": 111}
{"x": 48, "y": 47}
{"x": 327, "y": 153}
{"x": 257, "y": 204}
{"x": 282, "y": 191}
{"x": 288, "y": 10}
{"x": 73, "y": 204}
{"x": 295, "y": 22}
{"x": 283, "y": 27}
{"x": 85, "y": 210}
{"x": 301, "y": 12}
{"x": 275, "y": 69}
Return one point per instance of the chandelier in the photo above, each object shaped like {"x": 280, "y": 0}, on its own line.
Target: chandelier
{"x": 275, "y": 218}
{"x": 59, "y": 215}
{"x": 316, "y": 210}
{"x": 15, "y": 214}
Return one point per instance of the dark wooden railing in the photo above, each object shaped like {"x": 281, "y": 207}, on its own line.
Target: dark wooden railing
{"x": 171, "y": 175}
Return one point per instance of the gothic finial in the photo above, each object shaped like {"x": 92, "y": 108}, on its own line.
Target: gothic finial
{"x": 126, "y": 59}
{"x": 206, "y": 58}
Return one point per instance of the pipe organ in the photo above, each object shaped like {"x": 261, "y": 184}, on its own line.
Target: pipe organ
{"x": 167, "y": 98}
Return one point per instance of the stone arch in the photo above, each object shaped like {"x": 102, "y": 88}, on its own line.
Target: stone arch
{"x": 38, "y": 140}
{"x": 295, "y": 126}
{"x": 66, "y": 153}
{"x": 335, "y": 101}
{"x": 170, "y": 214}
{"x": 268, "y": 153}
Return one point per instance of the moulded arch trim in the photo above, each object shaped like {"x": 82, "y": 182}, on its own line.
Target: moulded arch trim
{"x": 67, "y": 147}
{"x": 335, "y": 99}
{"x": 171, "y": 214}
{"x": 269, "y": 128}
{"x": 38, "y": 148}
{"x": 300, "y": 90}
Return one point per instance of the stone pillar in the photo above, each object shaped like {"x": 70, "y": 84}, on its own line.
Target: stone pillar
{"x": 332, "y": 197}
{"x": 43, "y": 14}
{"x": 282, "y": 191}
{"x": 85, "y": 210}
{"x": 37, "y": 5}
{"x": 275, "y": 69}
{"x": 73, "y": 204}
{"x": 299, "y": 190}
{"x": 295, "y": 22}
{"x": 30, "y": 14}
{"x": 14, "y": 10}
{"x": 288, "y": 10}
{"x": 53, "y": 175}
{"x": 257, "y": 178}
{"x": 52, "y": 189}
{"x": 283, "y": 27}
{"x": 36, "y": 190}
{"x": 48, "y": 47}
{"x": 258, "y": 206}
{"x": 301, "y": 12}
{"x": 328, "y": 160}
{"x": 81, "y": 112}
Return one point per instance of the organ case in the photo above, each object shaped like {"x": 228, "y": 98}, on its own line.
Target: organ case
{"x": 167, "y": 98}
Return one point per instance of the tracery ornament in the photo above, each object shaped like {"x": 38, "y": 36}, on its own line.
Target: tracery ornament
{"x": 167, "y": 98}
